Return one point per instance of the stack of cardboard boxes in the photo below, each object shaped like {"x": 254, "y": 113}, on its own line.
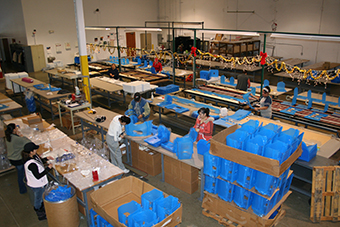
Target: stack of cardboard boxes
{"x": 146, "y": 159}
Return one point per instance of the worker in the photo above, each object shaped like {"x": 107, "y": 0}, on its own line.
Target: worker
{"x": 140, "y": 107}
{"x": 15, "y": 143}
{"x": 243, "y": 82}
{"x": 113, "y": 72}
{"x": 204, "y": 124}
{"x": 265, "y": 103}
{"x": 115, "y": 135}
{"x": 36, "y": 176}
{"x": 157, "y": 65}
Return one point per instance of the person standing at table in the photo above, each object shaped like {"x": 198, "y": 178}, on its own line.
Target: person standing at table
{"x": 157, "y": 65}
{"x": 140, "y": 107}
{"x": 204, "y": 124}
{"x": 243, "y": 82}
{"x": 265, "y": 103}
{"x": 15, "y": 145}
{"x": 115, "y": 135}
{"x": 36, "y": 176}
{"x": 113, "y": 72}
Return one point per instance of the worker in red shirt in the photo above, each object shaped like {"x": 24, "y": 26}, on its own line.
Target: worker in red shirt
{"x": 157, "y": 65}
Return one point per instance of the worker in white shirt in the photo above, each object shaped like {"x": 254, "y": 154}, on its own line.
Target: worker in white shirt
{"x": 115, "y": 135}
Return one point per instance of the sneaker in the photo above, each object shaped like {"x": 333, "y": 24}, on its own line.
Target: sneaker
{"x": 126, "y": 170}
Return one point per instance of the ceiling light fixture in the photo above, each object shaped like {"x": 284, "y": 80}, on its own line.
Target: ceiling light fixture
{"x": 306, "y": 37}
{"x": 97, "y": 28}
{"x": 230, "y": 32}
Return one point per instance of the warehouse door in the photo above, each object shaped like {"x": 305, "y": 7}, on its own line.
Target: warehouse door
{"x": 142, "y": 41}
{"x": 130, "y": 43}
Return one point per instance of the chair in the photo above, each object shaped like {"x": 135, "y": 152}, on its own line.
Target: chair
{"x": 281, "y": 86}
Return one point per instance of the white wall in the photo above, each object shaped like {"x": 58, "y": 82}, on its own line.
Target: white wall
{"x": 305, "y": 16}
{"x": 12, "y": 21}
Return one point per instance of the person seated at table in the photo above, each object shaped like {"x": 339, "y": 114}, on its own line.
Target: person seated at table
{"x": 157, "y": 65}
{"x": 243, "y": 82}
{"x": 15, "y": 143}
{"x": 204, "y": 124}
{"x": 140, "y": 107}
{"x": 265, "y": 103}
{"x": 115, "y": 135}
{"x": 113, "y": 72}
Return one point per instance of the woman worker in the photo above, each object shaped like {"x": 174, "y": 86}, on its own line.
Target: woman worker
{"x": 157, "y": 65}
{"x": 15, "y": 145}
{"x": 265, "y": 103}
{"x": 204, "y": 124}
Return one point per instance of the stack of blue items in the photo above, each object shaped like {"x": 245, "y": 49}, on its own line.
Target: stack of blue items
{"x": 43, "y": 88}
{"x": 308, "y": 152}
{"x": 231, "y": 120}
{"x": 61, "y": 193}
{"x": 207, "y": 75}
{"x": 246, "y": 186}
{"x": 169, "y": 105}
{"x": 154, "y": 209}
{"x": 143, "y": 129}
{"x": 115, "y": 60}
{"x": 167, "y": 89}
{"x": 162, "y": 136}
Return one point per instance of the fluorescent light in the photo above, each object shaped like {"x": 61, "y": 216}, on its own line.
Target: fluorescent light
{"x": 144, "y": 29}
{"x": 97, "y": 29}
{"x": 230, "y": 32}
{"x": 307, "y": 37}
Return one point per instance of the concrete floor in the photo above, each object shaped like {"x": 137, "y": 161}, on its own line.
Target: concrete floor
{"x": 16, "y": 210}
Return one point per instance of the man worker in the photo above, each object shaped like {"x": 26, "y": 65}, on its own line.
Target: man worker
{"x": 140, "y": 106}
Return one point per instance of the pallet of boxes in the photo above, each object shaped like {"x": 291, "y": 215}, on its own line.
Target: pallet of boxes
{"x": 247, "y": 174}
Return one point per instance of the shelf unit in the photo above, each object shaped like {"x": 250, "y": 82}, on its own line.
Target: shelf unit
{"x": 235, "y": 48}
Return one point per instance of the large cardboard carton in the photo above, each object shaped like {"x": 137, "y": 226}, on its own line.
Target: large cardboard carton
{"x": 107, "y": 199}
{"x": 272, "y": 167}
{"x": 34, "y": 122}
{"x": 238, "y": 215}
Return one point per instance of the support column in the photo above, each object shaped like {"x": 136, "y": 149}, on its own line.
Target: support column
{"x": 194, "y": 62}
{"x": 262, "y": 72}
{"x": 79, "y": 13}
{"x": 173, "y": 55}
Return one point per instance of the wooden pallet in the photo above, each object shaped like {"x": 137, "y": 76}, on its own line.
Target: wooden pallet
{"x": 325, "y": 202}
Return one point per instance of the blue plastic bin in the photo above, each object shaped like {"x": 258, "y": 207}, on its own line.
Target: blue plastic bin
{"x": 242, "y": 197}
{"x": 275, "y": 128}
{"x": 236, "y": 139}
{"x": 277, "y": 150}
{"x": 256, "y": 145}
{"x": 287, "y": 184}
{"x": 183, "y": 147}
{"x": 97, "y": 220}
{"x": 292, "y": 132}
{"x": 149, "y": 199}
{"x": 210, "y": 184}
{"x": 168, "y": 146}
{"x": 265, "y": 183}
{"x": 145, "y": 218}
{"x": 225, "y": 190}
{"x": 153, "y": 141}
{"x": 143, "y": 129}
{"x": 213, "y": 73}
{"x": 126, "y": 211}
{"x": 203, "y": 146}
{"x": 228, "y": 170}
{"x": 261, "y": 206}
{"x": 246, "y": 176}
{"x": 166, "y": 206}
{"x": 211, "y": 165}
{"x": 253, "y": 123}
{"x": 308, "y": 152}
{"x": 204, "y": 75}
{"x": 269, "y": 134}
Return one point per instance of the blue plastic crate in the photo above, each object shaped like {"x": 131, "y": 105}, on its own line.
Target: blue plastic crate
{"x": 269, "y": 134}
{"x": 276, "y": 150}
{"x": 256, "y": 145}
{"x": 287, "y": 184}
{"x": 204, "y": 75}
{"x": 242, "y": 197}
{"x": 145, "y": 218}
{"x": 126, "y": 211}
{"x": 246, "y": 176}
{"x": 203, "y": 146}
{"x": 183, "y": 147}
{"x": 261, "y": 206}
{"x": 228, "y": 170}
{"x": 308, "y": 152}
{"x": 275, "y": 128}
{"x": 236, "y": 139}
{"x": 265, "y": 183}
{"x": 211, "y": 165}
{"x": 153, "y": 141}
{"x": 150, "y": 198}
{"x": 97, "y": 220}
{"x": 210, "y": 184}
{"x": 292, "y": 132}
{"x": 166, "y": 206}
{"x": 225, "y": 190}
{"x": 143, "y": 129}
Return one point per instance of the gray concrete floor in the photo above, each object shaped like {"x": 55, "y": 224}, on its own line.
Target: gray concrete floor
{"x": 16, "y": 210}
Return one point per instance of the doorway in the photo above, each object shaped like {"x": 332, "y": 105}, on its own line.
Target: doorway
{"x": 142, "y": 41}
{"x": 131, "y": 42}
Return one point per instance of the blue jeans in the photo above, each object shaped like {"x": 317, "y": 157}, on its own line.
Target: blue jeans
{"x": 38, "y": 196}
{"x": 21, "y": 176}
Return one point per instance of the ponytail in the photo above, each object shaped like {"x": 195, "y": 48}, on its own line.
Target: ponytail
{"x": 9, "y": 131}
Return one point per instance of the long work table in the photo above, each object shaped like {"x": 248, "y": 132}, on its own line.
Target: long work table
{"x": 54, "y": 74}
{"x": 53, "y": 143}
{"x": 7, "y": 105}
{"x": 41, "y": 95}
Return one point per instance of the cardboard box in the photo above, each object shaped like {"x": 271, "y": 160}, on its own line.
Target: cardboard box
{"x": 34, "y": 122}
{"x": 238, "y": 215}
{"x": 180, "y": 175}
{"x": 67, "y": 122}
{"x": 107, "y": 199}
{"x": 81, "y": 197}
{"x": 148, "y": 161}
{"x": 272, "y": 167}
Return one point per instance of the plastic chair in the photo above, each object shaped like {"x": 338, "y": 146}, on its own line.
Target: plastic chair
{"x": 280, "y": 87}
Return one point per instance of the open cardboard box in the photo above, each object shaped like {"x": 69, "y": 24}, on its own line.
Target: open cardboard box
{"x": 107, "y": 199}
{"x": 35, "y": 121}
{"x": 270, "y": 166}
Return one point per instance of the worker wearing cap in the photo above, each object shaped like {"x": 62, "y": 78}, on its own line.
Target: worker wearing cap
{"x": 140, "y": 107}
{"x": 157, "y": 65}
{"x": 265, "y": 103}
